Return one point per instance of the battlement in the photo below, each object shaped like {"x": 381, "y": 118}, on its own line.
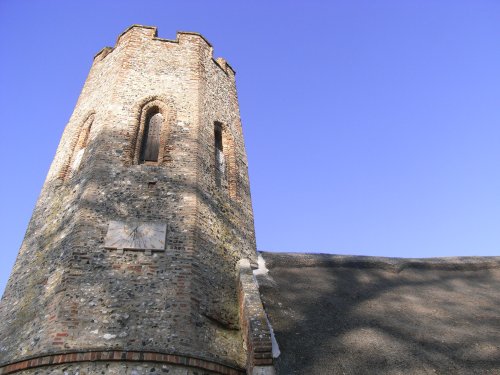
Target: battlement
{"x": 152, "y": 33}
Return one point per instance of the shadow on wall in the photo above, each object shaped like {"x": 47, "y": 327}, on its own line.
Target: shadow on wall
{"x": 131, "y": 289}
{"x": 100, "y": 298}
{"x": 355, "y": 319}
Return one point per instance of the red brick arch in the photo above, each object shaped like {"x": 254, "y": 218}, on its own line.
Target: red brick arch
{"x": 142, "y": 111}
{"x": 118, "y": 356}
{"x": 79, "y": 141}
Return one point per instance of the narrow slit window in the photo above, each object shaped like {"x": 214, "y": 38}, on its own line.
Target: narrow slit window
{"x": 151, "y": 140}
{"x": 220, "y": 162}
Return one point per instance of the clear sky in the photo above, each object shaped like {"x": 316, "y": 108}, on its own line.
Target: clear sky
{"x": 372, "y": 127}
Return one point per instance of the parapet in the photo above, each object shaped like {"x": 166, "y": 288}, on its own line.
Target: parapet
{"x": 152, "y": 33}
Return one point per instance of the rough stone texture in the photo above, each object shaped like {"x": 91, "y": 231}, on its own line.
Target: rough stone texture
{"x": 363, "y": 315}
{"x": 66, "y": 290}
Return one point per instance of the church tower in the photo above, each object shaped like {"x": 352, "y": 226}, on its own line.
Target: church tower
{"x": 138, "y": 256}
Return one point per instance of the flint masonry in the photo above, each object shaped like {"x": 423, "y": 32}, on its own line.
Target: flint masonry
{"x": 138, "y": 256}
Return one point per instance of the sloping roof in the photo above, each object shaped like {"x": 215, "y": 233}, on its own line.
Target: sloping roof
{"x": 363, "y": 315}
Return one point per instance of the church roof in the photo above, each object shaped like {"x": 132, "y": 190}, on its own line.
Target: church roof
{"x": 336, "y": 314}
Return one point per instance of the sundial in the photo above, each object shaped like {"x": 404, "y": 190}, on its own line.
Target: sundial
{"x": 136, "y": 235}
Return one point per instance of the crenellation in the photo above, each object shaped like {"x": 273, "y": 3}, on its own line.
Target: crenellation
{"x": 99, "y": 56}
{"x": 136, "y": 30}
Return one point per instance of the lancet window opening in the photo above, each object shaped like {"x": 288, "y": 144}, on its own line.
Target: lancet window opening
{"x": 150, "y": 148}
{"x": 80, "y": 144}
{"x": 150, "y": 134}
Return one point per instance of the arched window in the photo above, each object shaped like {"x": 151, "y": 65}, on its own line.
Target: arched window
{"x": 150, "y": 148}
{"x": 79, "y": 145}
{"x": 149, "y": 141}
{"x": 83, "y": 140}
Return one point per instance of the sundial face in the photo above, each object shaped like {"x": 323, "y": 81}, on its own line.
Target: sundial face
{"x": 136, "y": 235}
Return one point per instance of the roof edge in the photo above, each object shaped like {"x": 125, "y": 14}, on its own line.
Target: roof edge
{"x": 302, "y": 260}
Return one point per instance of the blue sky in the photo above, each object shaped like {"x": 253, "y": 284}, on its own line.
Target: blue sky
{"x": 372, "y": 127}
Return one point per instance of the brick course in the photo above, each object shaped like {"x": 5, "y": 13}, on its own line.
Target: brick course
{"x": 147, "y": 360}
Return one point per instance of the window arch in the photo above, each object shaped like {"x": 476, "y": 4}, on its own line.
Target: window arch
{"x": 78, "y": 148}
{"x": 149, "y": 140}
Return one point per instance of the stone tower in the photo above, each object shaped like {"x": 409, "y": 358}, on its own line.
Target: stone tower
{"x": 137, "y": 257}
